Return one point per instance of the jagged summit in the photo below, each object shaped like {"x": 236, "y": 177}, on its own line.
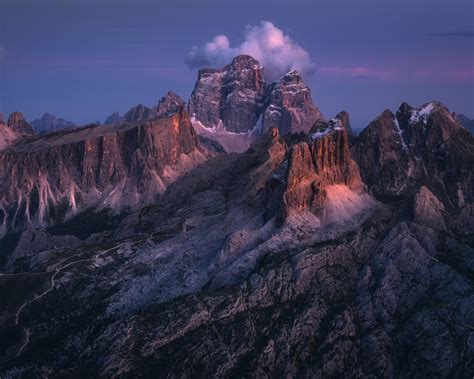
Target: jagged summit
{"x": 290, "y": 107}
{"x": 114, "y": 118}
{"x": 230, "y": 98}
{"x": 49, "y": 122}
{"x": 169, "y": 103}
{"x": 18, "y": 123}
{"x": 418, "y": 146}
{"x": 236, "y": 99}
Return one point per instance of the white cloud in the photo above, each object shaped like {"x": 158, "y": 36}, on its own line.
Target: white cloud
{"x": 275, "y": 51}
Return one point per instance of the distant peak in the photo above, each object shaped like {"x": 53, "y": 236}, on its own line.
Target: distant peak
{"x": 15, "y": 116}
{"x": 48, "y": 115}
{"x": 169, "y": 103}
{"x": 17, "y": 122}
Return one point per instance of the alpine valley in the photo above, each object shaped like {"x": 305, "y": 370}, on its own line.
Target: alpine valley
{"x": 240, "y": 234}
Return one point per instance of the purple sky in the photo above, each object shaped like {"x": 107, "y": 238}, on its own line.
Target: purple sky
{"x": 81, "y": 60}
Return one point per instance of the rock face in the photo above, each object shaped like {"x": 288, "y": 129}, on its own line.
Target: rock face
{"x": 231, "y": 98}
{"x": 343, "y": 117}
{"x": 170, "y": 103}
{"x": 2, "y": 122}
{"x": 234, "y": 106}
{"x": 50, "y": 123}
{"x": 426, "y": 146}
{"x": 429, "y": 210}
{"x": 52, "y": 178}
{"x": 289, "y": 106}
{"x": 139, "y": 113}
{"x": 18, "y": 124}
{"x": 321, "y": 169}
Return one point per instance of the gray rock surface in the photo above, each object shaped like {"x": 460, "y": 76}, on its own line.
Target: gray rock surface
{"x": 50, "y": 123}
{"x": 17, "y": 123}
{"x": 289, "y": 106}
{"x": 417, "y": 146}
{"x": 231, "y": 98}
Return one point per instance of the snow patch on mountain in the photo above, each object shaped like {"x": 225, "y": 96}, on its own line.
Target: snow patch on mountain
{"x": 399, "y": 132}
{"x": 230, "y": 141}
{"x": 333, "y": 124}
{"x": 421, "y": 114}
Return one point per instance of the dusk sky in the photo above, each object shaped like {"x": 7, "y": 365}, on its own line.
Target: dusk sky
{"x": 82, "y": 60}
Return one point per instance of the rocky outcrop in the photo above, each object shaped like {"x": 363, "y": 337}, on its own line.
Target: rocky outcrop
{"x": 289, "y": 106}
{"x": 2, "y": 122}
{"x": 425, "y": 146}
{"x": 169, "y": 103}
{"x": 230, "y": 98}
{"x": 343, "y": 117}
{"x": 320, "y": 169}
{"x": 428, "y": 210}
{"x": 18, "y": 124}
{"x": 7, "y": 136}
{"x": 50, "y": 123}
{"x": 139, "y": 113}
{"x": 52, "y": 178}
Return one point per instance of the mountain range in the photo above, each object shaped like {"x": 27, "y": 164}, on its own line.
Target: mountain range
{"x": 242, "y": 234}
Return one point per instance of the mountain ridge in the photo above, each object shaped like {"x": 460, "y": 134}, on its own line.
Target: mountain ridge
{"x": 310, "y": 252}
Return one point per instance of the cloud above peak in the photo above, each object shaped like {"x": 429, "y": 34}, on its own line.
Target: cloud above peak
{"x": 275, "y": 50}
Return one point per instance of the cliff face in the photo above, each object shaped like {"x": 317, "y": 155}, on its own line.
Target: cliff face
{"x": 289, "y": 106}
{"x": 417, "y": 147}
{"x": 322, "y": 177}
{"x": 231, "y": 98}
{"x": 49, "y": 179}
{"x": 18, "y": 124}
{"x": 234, "y": 106}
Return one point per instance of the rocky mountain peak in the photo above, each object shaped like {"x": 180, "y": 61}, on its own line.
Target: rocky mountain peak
{"x": 2, "y": 122}
{"x": 345, "y": 122}
{"x": 417, "y": 146}
{"x": 290, "y": 107}
{"x": 230, "y": 99}
{"x": 17, "y": 122}
{"x": 322, "y": 176}
{"x": 49, "y": 122}
{"x": 236, "y": 99}
{"x": 110, "y": 166}
{"x": 138, "y": 113}
{"x": 114, "y": 118}
{"x": 169, "y": 103}
{"x": 242, "y": 62}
